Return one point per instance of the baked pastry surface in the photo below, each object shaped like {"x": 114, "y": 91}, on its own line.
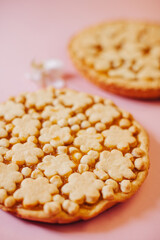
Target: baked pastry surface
{"x": 122, "y": 57}
{"x": 67, "y": 155}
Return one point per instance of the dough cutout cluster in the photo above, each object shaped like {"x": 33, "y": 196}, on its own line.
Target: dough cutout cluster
{"x": 66, "y": 156}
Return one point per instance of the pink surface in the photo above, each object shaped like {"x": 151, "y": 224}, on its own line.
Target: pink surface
{"x": 41, "y": 29}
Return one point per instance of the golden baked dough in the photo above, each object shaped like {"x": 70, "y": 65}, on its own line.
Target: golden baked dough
{"x": 122, "y": 57}
{"x": 61, "y": 168}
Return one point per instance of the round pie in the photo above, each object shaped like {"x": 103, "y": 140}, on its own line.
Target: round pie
{"x": 122, "y": 57}
{"x": 67, "y": 155}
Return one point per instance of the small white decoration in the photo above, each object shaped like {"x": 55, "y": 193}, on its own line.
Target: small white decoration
{"x": 49, "y": 72}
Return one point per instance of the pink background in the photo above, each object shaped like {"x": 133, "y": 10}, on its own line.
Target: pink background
{"x": 41, "y": 30}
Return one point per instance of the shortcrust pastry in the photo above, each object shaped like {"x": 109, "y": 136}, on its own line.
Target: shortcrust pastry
{"x": 122, "y": 57}
{"x": 66, "y": 156}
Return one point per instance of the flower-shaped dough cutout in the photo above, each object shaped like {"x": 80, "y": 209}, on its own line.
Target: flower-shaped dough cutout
{"x": 56, "y": 113}
{"x": 88, "y": 141}
{"x": 35, "y": 191}
{"x": 75, "y": 100}
{"x": 40, "y": 98}
{"x": 3, "y": 132}
{"x": 9, "y": 176}
{"x": 25, "y": 127}
{"x": 10, "y": 110}
{"x": 117, "y": 137}
{"x": 55, "y": 135}
{"x": 60, "y": 164}
{"x": 83, "y": 187}
{"x": 24, "y": 153}
{"x": 103, "y": 113}
{"x": 117, "y": 166}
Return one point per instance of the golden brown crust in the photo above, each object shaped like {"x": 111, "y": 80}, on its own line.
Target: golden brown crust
{"x": 149, "y": 93}
{"x": 86, "y": 210}
{"x": 85, "y": 214}
{"x": 118, "y": 85}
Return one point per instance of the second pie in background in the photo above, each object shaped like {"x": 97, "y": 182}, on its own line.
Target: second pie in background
{"x": 122, "y": 57}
